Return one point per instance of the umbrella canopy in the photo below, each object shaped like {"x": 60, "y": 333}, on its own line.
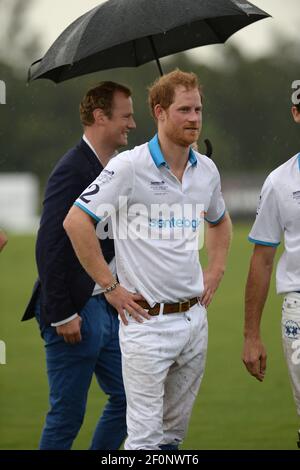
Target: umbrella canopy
{"x": 129, "y": 33}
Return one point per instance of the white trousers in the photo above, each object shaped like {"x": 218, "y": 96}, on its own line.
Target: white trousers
{"x": 291, "y": 341}
{"x": 163, "y": 362}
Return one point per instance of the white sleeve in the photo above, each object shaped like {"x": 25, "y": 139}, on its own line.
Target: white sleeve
{"x": 267, "y": 228}
{"x": 216, "y": 209}
{"x": 66, "y": 320}
{"x": 110, "y": 190}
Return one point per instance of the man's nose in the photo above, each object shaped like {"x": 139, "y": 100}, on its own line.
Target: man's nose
{"x": 132, "y": 124}
{"x": 195, "y": 116}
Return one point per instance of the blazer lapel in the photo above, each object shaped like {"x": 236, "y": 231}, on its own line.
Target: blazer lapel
{"x": 93, "y": 160}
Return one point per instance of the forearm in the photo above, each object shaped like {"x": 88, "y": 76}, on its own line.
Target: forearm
{"x": 218, "y": 238}
{"x": 81, "y": 231}
{"x": 217, "y": 245}
{"x": 257, "y": 289}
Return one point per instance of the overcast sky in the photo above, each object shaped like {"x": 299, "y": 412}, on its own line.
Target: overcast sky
{"x": 51, "y": 17}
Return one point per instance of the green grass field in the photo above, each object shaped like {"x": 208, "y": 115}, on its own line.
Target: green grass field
{"x": 233, "y": 410}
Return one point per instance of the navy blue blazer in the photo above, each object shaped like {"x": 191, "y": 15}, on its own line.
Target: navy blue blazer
{"x": 63, "y": 285}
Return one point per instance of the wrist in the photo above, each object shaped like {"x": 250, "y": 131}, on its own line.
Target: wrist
{"x": 111, "y": 287}
{"x": 252, "y": 335}
{"x": 217, "y": 271}
{"x": 107, "y": 281}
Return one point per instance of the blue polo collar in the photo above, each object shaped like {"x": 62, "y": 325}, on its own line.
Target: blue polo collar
{"x": 158, "y": 157}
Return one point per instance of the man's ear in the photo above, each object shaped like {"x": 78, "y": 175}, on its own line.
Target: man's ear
{"x": 99, "y": 116}
{"x": 159, "y": 112}
{"x": 296, "y": 114}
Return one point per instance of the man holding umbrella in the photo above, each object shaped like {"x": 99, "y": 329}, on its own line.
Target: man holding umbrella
{"x": 78, "y": 325}
{"x": 163, "y": 337}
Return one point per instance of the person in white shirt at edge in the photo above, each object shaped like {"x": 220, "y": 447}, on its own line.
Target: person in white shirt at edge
{"x": 164, "y": 337}
{"x": 278, "y": 214}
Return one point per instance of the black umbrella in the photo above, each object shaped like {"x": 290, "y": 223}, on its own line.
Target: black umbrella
{"x": 129, "y": 33}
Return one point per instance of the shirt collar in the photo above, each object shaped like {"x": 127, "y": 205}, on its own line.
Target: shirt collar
{"x": 158, "y": 157}
{"x": 84, "y": 137}
{"x": 299, "y": 161}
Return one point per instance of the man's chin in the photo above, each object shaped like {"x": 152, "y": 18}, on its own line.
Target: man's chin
{"x": 193, "y": 137}
{"x": 187, "y": 142}
{"x": 123, "y": 142}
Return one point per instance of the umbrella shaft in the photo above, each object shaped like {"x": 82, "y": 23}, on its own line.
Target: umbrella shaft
{"x": 155, "y": 55}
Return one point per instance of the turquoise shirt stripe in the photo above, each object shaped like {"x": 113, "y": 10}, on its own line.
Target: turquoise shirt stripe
{"x": 260, "y": 242}
{"x": 87, "y": 211}
{"x": 215, "y": 222}
{"x": 158, "y": 157}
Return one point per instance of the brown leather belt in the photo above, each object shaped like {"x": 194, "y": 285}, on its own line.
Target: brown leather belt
{"x": 178, "y": 307}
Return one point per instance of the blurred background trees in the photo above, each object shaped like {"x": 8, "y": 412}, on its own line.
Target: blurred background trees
{"x": 246, "y": 105}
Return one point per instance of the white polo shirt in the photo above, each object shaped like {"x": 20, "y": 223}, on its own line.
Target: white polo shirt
{"x": 153, "y": 250}
{"x": 279, "y": 213}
